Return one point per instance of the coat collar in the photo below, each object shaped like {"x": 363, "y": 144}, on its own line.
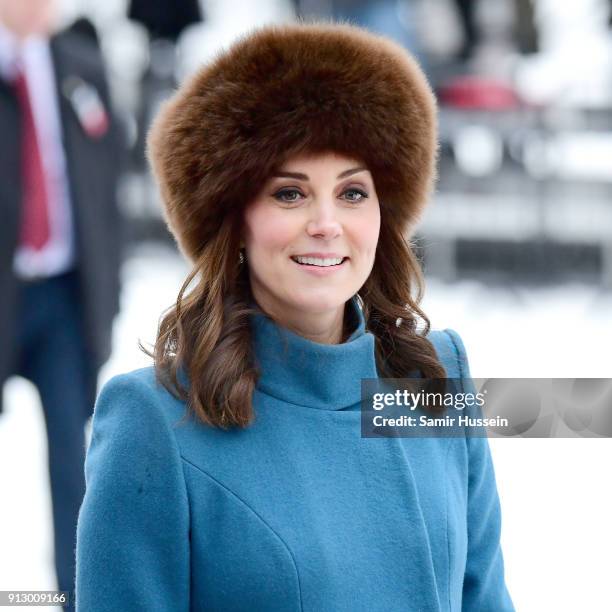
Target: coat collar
{"x": 310, "y": 374}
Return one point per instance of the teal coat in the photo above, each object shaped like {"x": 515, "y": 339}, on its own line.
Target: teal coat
{"x": 297, "y": 512}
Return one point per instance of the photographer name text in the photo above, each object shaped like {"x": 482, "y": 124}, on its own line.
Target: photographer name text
{"x": 446, "y": 421}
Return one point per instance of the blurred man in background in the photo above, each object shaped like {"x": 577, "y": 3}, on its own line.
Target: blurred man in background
{"x": 393, "y": 18}
{"x": 60, "y": 243}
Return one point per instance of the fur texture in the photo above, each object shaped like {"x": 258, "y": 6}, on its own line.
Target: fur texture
{"x": 283, "y": 90}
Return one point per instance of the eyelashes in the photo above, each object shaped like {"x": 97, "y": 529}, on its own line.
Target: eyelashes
{"x": 281, "y": 192}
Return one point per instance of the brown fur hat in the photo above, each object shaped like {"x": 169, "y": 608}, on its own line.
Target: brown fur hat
{"x": 288, "y": 89}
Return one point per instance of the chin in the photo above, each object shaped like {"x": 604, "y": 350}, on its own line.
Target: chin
{"x": 320, "y": 302}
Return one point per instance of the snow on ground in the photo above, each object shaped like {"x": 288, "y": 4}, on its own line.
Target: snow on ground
{"x": 555, "y": 496}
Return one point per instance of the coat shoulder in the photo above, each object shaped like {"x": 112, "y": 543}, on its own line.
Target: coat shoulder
{"x": 138, "y": 394}
{"x": 451, "y": 352}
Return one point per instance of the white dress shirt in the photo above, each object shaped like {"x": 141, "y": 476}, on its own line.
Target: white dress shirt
{"x": 34, "y": 53}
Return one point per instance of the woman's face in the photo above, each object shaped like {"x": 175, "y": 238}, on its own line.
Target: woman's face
{"x": 310, "y": 235}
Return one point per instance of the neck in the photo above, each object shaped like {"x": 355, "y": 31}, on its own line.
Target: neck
{"x": 17, "y": 37}
{"x": 20, "y": 34}
{"x": 327, "y": 327}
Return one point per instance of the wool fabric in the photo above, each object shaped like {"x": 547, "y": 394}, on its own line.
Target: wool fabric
{"x": 297, "y": 512}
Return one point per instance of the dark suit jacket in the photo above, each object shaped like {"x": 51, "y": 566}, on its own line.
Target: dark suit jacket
{"x": 93, "y": 166}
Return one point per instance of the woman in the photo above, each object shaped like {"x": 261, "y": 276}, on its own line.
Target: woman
{"x": 232, "y": 475}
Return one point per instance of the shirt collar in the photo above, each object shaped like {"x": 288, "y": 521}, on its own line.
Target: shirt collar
{"x": 13, "y": 51}
{"x": 9, "y": 53}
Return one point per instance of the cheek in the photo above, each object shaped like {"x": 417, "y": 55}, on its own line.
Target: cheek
{"x": 269, "y": 232}
{"x": 365, "y": 231}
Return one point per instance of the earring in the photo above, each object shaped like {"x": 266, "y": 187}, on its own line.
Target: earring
{"x": 241, "y": 257}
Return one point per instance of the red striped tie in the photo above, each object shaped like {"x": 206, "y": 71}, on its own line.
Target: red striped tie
{"x": 35, "y": 212}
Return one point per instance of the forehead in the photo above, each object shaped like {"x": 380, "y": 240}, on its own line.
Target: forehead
{"x": 319, "y": 159}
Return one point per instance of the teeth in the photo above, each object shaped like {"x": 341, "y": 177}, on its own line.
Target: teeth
{"x": 316, "y": 261}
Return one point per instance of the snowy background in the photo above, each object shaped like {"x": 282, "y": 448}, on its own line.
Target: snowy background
{"x": 556, "y": 495}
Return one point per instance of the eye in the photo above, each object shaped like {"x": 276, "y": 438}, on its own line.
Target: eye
{"x": 288, "y": 195}
{"x": 279, "y": 195}
{"x": 353, "y": 200}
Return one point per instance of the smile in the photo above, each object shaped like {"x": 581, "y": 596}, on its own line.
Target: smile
{"x": 319, "y": 262}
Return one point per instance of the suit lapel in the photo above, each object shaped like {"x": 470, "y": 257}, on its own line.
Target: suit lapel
{"x": 61, "y": 66}
{"x": 10, "y": 165}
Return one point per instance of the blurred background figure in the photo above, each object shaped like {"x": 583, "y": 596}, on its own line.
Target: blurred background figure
{"x": 466, "y": 11}
{"x": 164, "y": 21}
{"x": 524, "y": 29}
{"x": 59, "y": 238}
{"x": 393, "y": 18}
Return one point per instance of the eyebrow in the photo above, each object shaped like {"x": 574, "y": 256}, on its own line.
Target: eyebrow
{"x": 304, "y": 177}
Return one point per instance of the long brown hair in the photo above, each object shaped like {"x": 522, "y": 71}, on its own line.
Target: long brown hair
{"x": 206, "y": 332}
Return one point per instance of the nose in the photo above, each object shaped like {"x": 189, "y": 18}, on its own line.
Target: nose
{"x": 323, "y": 222}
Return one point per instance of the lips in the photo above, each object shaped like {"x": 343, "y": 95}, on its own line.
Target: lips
{"x": 324, "y": 261}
